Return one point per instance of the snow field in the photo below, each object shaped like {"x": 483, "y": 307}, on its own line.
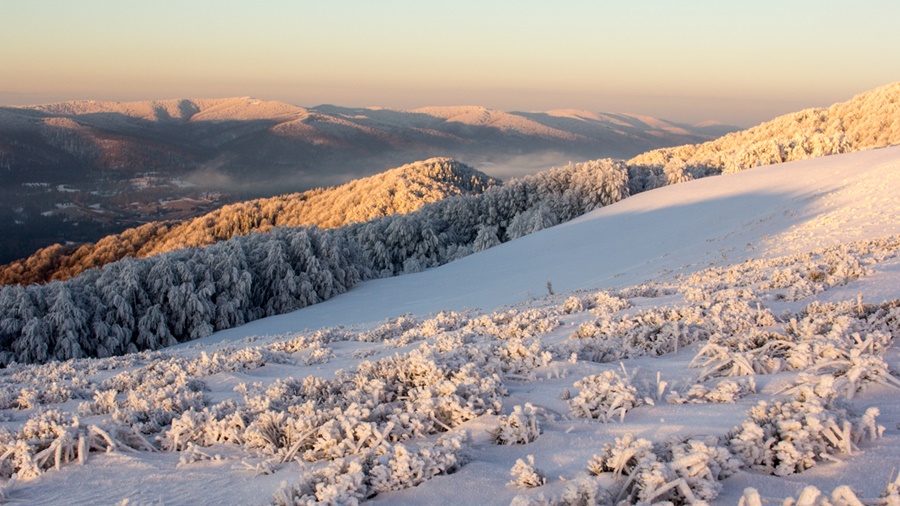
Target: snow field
{"x": 563, "y": 395}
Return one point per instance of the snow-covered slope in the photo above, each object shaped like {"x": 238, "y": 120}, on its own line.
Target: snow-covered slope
{"x": 762, "y": 212}
{"x": 868, "y": 120}
{"x": 731, "y": 271}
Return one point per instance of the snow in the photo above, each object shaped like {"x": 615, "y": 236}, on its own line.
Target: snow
{"x": 648, "y": 245}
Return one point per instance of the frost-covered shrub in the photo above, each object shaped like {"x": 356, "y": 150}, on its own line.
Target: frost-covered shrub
{"x": 604, "y": 396}
{"x": 216, "y": 424}
{"x": 515, "y": 324}
{"x": 340, "y": 483}
{"x": 519, "y": 427}
{"x": 388, "y": 330}
{"x": 518, "y": 358}
{"x": 603, "y": 303}
{"x": 572, "y": 305}
{"x": 580, "y": 491}
{"x": 193, "y": 453}
{"x": 379, "y": 403}
{"x": 680, "y": 472}
{"x": 646, "y": 290}
{"x": 788, "y": 437}
{"x": 753, "y": 352}
{"x": 231, "y": 360}
{"x": 599, "y": 303}
{"x": 651, "y": 332}
{"x": 525, "y": 475}
{"x": 725, "y": 391}
{"x": 9, "y": 396}
{"x": 317, "y": 354}
{"x": 317, "y": 338}
{"x": 445, "y": 321}
{"x": 53, "y": 438}
{"x": 29, "y": 391}
{"x": 845, "y": 340}
{"x": 719, "y": 293}
{"x": 351, "y": 481}
{"x": 400, "y": 468}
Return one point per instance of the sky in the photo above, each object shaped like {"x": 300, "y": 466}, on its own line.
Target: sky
{"x": 738, "y": 62}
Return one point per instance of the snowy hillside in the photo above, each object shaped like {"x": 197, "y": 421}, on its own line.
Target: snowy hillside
{"x": 702, "y": 338}
{"x": 868, "y": 120}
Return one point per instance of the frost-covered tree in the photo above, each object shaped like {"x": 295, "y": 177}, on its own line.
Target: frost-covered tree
{"x": 69, "y": 323}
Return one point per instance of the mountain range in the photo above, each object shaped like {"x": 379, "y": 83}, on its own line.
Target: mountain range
{"x": 77, "y": 171}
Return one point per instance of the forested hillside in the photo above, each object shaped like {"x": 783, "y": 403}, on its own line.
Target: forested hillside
{"x": 868, "y": 120}
{"x": 140, "y": 304}
{"x": 397, "y": 191}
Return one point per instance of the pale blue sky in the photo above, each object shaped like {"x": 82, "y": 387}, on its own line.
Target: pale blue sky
{"x": 737, "y": 62}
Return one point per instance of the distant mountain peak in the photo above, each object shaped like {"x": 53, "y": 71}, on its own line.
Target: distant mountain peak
{"x": 179, "y": 110}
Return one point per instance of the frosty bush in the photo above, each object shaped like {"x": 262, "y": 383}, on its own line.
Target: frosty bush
{"x": 390, "y": 329}
{"x": 754, "y": 352}
{"x": 604, "y": 396}
{"x": 725, "y": 391}
{"x": 788, "y": 437}
{"x": 654, "y": 332}
{"x": 339, "y": 483}
{"x": 317, "y": 354}
{"x": 844, "y": 339}
{"x": 572, "y": 305}
{"x": 318, "y": 338}
{"x": 515, "y": 324}
{"x": 646, "y": 290}
{"x": 401, "y": 468}
{"x": 518, "y": 428}
{"x": 602, "y": 303}
{"x": 518, "y": 358}
{"x": 396, "y": 468}
{"x": 580, "y": 491}
{"x": 526, "y": 475}
{"x": 682, "y": 472}
{"x": 53, "y": 438}
{"x": 379, "y": 403}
